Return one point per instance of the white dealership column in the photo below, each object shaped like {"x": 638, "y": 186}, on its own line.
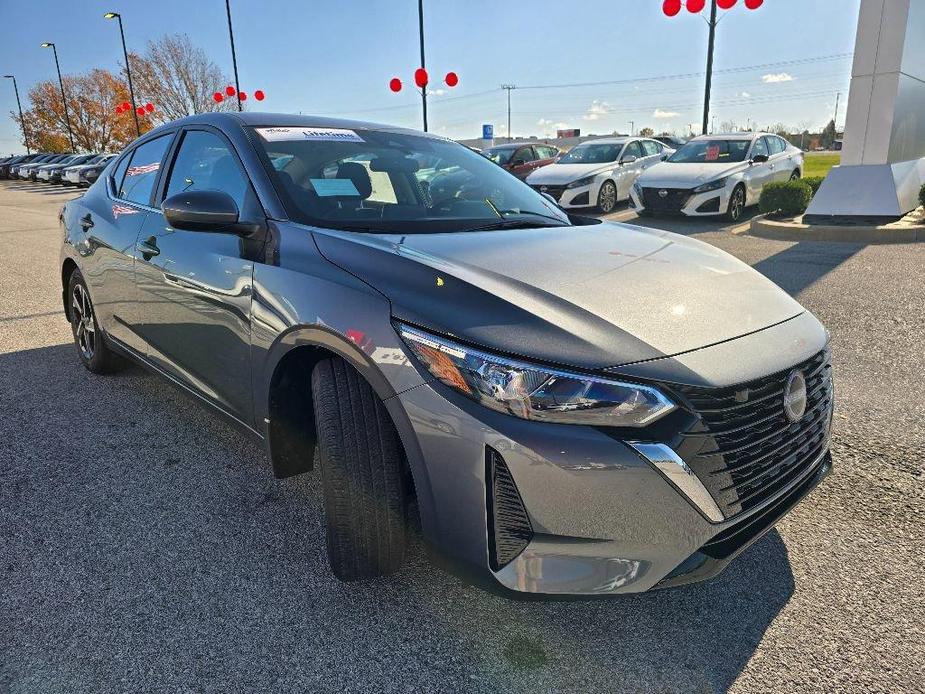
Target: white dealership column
{"x": 883, "y": 156}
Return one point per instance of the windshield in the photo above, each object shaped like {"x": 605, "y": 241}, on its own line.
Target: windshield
{"x": 379, "y": 181}
{"x": 499, "y": 156}
{"x": 711, "y": 152}
{"x": 591, "y": 154}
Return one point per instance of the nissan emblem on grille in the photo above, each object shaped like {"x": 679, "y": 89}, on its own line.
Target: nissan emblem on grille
{"x": 663, "y": 193}
{"x": 795, "y": 396}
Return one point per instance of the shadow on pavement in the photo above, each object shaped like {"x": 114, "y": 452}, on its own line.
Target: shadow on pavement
{"x": 805, "y": 262}
{"x": 146, "y": 542}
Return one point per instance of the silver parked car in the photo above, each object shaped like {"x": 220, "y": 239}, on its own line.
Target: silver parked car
{"x": 569, "y": 407}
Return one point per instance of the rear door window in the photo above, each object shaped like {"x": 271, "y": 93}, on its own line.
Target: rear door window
{"x": 631, "y": 150}
{"x": 144, "y": 164}
{"x": 651, "y": 147}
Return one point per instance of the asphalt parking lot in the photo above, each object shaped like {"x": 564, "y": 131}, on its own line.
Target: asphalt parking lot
{"x": 145, "y": 546}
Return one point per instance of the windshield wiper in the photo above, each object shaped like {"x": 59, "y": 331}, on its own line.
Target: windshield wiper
{"x": 517, "y": 224}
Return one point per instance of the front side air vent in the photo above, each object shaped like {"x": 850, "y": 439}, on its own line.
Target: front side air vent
{"x": 509, "y": 529}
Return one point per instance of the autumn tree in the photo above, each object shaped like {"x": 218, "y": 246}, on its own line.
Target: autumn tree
{"x": 646, "y": 132}
{"x": 91, "y": 100}
{"x": 179, "y": 78}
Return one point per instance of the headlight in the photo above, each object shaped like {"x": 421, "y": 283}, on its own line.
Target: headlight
{"x": 712, "y": 185}
{"x": 586, "y": 181}
{"x": 536, "y": 392}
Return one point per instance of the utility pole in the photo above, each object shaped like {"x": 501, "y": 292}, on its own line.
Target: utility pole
{"x": 710, "y": 45}
{"x": 234, "y": 57}
{"x": 423, "y": 66}
{"x": 835, "y": 120}
{"x": 509, "y": 88}
{"x": 67, "y": 116}
{"x": 632, "y": 127}
{"x": 22, "y": 123}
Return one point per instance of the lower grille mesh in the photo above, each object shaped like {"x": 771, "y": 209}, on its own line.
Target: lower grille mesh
{"x": 509, "y": 529}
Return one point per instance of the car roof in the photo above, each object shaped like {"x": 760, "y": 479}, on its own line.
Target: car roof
{"x": 515, "y": 145}
{"x": 730, "y": 136}
{"x": 286, "y": 120}
{"x": 608, "y": 141}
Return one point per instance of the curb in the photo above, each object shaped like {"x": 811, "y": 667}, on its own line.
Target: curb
{"x": 789, "y": 230}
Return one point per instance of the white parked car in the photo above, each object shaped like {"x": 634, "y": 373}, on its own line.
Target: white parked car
{"x": 717, "y": 174}
{"x": 598, "y": 172}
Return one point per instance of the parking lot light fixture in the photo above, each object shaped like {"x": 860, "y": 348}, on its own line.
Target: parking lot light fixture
{"x": 67, "y": 116}
{"x": 22, "y": 122}
{"x": 128, "y": 70}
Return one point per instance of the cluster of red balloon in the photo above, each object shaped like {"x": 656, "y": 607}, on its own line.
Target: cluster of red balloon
{"x": 673, "y": 7}
{"x": 421, "y": 79}
{"x": 125, "y": 107}
{"x": 230, "y": 91}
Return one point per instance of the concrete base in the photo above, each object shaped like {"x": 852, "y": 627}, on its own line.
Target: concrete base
{"x": 867, "y": 194}
{"x": 909, "y": 229}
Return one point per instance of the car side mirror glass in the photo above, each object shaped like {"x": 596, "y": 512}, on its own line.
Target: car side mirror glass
{"x": 205, "y": 210}
{"x": 518, "y": 162}
{"x": 628, "y": 159}
{"x": 759, "y": 158}
{"x": 664, "y": 157}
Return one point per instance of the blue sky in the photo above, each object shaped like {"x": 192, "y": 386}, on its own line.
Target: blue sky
{"x": 336, "y": 58}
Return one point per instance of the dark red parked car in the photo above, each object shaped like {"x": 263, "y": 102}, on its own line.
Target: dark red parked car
{"x": 522, "y": 158}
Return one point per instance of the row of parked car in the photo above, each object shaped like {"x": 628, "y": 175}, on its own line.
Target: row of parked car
{"x": 63, "y": 169}
{"x": 708, "y": 175}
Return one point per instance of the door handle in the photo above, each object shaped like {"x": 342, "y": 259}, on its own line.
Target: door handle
{"x": 86, "y": 222}
{"x": 148, "y": 248}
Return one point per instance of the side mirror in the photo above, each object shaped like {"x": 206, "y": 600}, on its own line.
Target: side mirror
{"x": 550, "y": 199}
{"x": 759, "y": 159}
{"x": 628, "y": 159}
{"x": 518, "y": 162}
{"x": 664, "y": 157}
{"x": 205, "y": 210}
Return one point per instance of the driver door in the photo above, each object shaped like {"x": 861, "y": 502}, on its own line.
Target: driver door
{"x": 629, "y": 171}
{"x": 759, "y": 173}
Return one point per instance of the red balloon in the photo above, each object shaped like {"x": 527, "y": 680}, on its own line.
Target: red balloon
{"x": 395, "y": 84}
{"x": 259, "y": 95}
{"x": 671, "y": 7}
{"x": 242, "y": 96}
{"x": 420, "y": 77}
{"x": 140, "y": 110}
{"x": 119, "y": 108}
{"x": 753, "y": 4}
{"x": 218, "y": 98}
{"x": 126, "y": 106}
{"x": 149, "y": 108}
{"x": 726, "y": 4}
{"x": 452, "y": 79}
{"x": 229, "y": 90}
{"x": 695, "y": 6}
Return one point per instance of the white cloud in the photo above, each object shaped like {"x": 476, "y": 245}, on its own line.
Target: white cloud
{"x": 545, "y": 122}
{"x": 597, "y": 109}
{"x": 436, "y": 92}
{"x": 745, "y": 95}
{"x": 777, "y": 77}
{"x": 659, "y": 113}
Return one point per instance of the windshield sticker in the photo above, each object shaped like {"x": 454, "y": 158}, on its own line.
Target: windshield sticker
{"x": 316, "y": 134}
{"x": 334, "y": 187}
{"x": 713, "y": 153}
{"x": 142, "y": 170}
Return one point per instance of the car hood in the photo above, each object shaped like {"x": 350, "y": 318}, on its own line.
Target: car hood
{"x": 668, "y": 175}
{"x": 559, "y": 174}
{"x": 592, "y": 297}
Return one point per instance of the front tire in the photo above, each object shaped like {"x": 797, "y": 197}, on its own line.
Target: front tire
{"x": 607, "y": 197}
{"x": 363, "y": 474}
{"x": 736, "y": 204}
{"x": 92, "y": 349}
{"x": 795, "y": 176}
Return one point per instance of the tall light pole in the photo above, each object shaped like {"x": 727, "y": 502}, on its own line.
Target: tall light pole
{"x": 234, "y": 57}
{"x": 67, "y": 116}
{"x": 632, "y": 127}
{"x": 711, "y": 42}
{"x": 128, "y": 70}
{"x": 22, "y": 122}
{"x": 509, "y": 88}
{"x": 423, "y": 66}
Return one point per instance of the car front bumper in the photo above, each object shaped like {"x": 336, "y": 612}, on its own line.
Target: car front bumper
{"x": 686, "y": 203}
{"x": 571, "y": 198}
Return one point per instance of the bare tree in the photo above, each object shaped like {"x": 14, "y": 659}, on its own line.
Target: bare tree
{"x": 178, "y": 78}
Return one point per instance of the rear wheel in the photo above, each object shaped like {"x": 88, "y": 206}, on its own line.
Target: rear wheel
{"x": 92, "y": 349}
{"x": 736, "y": 204}
{"x": 795, "y": 176}
{"x": 607, "y": 197}
{"x": 363, "y": 474}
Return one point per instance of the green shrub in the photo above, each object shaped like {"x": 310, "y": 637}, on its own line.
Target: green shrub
{"x": 813, "y": 182}
{"x": 786, "y": 198}
{"x": 922, "y": 195}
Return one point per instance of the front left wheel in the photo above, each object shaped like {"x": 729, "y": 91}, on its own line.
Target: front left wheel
{"x": 607, "y": 197}
{"x": 363, "y": 474}
{"x": 92, "y": 349}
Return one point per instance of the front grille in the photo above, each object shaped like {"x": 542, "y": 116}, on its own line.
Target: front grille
{"x": 554, "y": 191}
{"x": 744, "y": 448}
{"x": 674, "y": 199}
{"x": 509, "y": 529}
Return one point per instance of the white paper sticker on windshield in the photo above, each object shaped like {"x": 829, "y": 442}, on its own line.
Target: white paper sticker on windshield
{"x": 334, "y": 187}
{"x": 317, "y": 134}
